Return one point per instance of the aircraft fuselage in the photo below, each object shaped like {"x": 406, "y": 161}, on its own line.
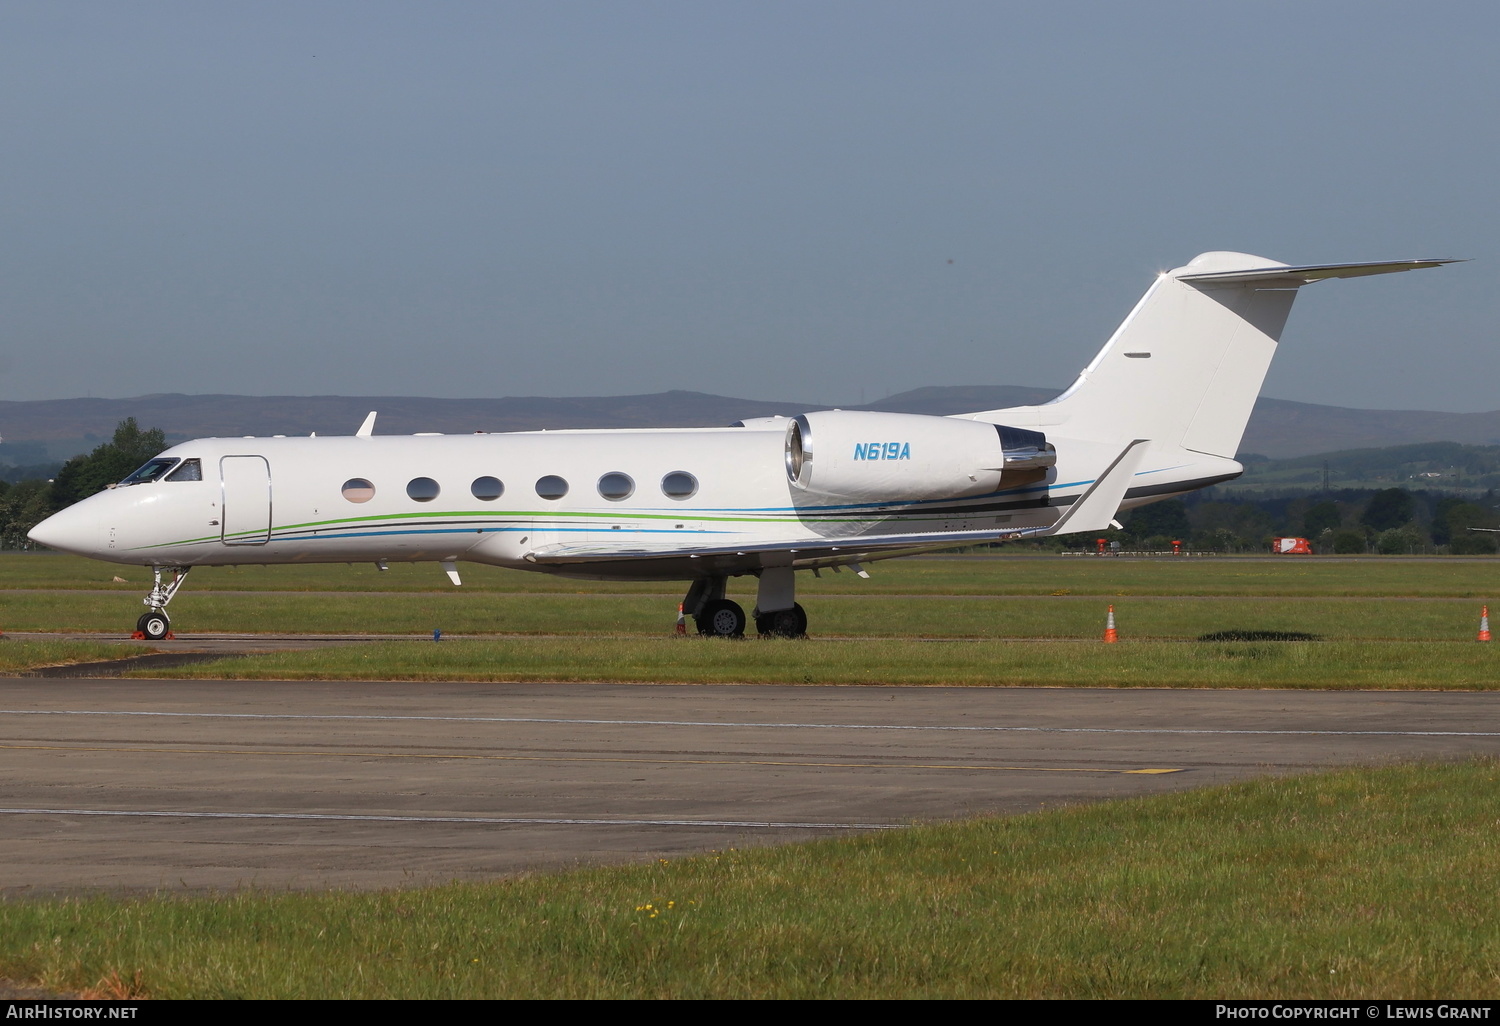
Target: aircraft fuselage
{"x": 289, "y": 500}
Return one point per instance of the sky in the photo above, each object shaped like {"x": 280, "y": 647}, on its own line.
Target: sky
{"x": 819, "y": 201}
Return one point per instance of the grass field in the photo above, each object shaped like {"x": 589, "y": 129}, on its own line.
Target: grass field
{"x": 963, "y": 597}
{"x": 1374, "y": 882}
{"x": 27, "y": 655}
{"x": 880, "y": 616}
{"x": 1324, "y": 665}
{"x": 1423, "y": 613}
{"x": 1350, "y": 885}
{"x": 981, "y": 574}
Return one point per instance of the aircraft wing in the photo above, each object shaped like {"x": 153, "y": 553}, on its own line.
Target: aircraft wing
{"x": 1092, "y": 511}
{"x": 806, "y": 553}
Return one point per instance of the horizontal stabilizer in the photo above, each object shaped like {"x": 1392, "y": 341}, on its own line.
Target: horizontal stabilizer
{"x": 1291, "y": 277}
{"x": 1186, "y": 365}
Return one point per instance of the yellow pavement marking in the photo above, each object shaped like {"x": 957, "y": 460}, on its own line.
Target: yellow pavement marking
{"x": 578, "y": 758}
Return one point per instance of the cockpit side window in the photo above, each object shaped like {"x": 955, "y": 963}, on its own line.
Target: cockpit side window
{"x": 152, "y": 470}
{"x": 191, "y": 470}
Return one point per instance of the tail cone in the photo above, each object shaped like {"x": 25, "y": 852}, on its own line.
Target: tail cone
{"x": 1110, "y": 634}
{"x": 1484, "y": 624}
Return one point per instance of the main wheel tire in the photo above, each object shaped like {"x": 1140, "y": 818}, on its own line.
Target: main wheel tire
{"x": 154, "y": 625}
{"x": 784, "y": 623}
{"x": 721, "y": 618}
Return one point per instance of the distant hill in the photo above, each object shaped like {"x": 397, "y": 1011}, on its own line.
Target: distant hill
{"x": 1282, "y": 429}
{"x": 199, "y": 416}
{"x": 1435, "y": 466}
{"x": 37, "y": 430}
{"x": 942, "y": 401}
{"x": 59, "y": 428}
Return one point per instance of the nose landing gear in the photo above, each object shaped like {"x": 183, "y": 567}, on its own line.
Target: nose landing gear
{"x": 154, "y": 624}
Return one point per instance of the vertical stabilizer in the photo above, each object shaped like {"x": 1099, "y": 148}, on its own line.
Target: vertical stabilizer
{"x": 1186, "y": 366}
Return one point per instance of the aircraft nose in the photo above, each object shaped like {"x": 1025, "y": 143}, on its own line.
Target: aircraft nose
{"x": 69, "y": 530}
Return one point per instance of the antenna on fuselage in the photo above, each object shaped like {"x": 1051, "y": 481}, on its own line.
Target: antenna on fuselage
{"x": 367, "y": 428}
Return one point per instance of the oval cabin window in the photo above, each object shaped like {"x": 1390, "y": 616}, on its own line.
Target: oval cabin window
{"x": 616, "y": 486}
{"x": 422, "y": 489}
{"x": 552, "y": 487}
{"x": 679, "y": 484}
{"x": 487, "y": 489}
{"x": 357, "y": 489}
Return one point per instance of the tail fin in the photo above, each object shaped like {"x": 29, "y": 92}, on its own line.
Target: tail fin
{"x": 1185, "y": 367}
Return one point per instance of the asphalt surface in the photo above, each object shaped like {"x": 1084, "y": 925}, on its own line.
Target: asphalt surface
{"x": 143, "y": 784}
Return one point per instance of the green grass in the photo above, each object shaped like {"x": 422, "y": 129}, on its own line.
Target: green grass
{"x": 1359, "y": 883}
{"x": 17, "y": 656}
{"x": 1320, "y": 665}
{"x": 457, "y": 612}
{"x": 1348, "y": 885}
{"x": 983, "y": 574}
{"x": 623, "y": 632}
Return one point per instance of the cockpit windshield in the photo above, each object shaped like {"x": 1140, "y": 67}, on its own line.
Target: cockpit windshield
{"x": 151, "y": 471}
{"x": 191, "y": 470}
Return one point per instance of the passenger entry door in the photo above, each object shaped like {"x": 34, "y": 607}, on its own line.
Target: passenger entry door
{"x": 246, "y": 514}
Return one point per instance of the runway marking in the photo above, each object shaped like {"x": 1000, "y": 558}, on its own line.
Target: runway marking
{"x": 492, "y": 820}
{"x": 758, "y": 725}
{"x": 575, "y": 758}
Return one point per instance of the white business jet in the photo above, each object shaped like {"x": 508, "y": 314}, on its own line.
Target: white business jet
{"x": 1159, "y": 412}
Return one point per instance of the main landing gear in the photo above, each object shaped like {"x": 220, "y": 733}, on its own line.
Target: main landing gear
{"x": 784, "y": 623}
{"x": 721, "y": 618}
{"x": 777, "y": 614}
{"x": 154, "y": 624}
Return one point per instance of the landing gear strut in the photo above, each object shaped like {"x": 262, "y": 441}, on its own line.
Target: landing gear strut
{"x": 777, "y": 613}
{"x": 154, "y": 624}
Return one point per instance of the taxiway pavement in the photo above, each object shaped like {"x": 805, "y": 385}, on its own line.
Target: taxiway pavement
{"x": 146, "y": 784}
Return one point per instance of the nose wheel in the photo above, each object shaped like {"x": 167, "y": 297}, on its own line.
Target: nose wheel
{"x": 153, "y": 626}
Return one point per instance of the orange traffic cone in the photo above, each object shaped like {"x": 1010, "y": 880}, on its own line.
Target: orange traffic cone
{"x": 681, "y": 620}
{"x": 1110, "y": 634}
{"x": 1484, "y": 624}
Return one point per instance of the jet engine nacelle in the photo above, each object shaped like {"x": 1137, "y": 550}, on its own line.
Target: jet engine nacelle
{"x": 874, "y": 457}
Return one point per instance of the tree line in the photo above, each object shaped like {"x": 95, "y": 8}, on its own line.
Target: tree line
{"x": 1389, "y": 521}
{"x": 25, "y": 504}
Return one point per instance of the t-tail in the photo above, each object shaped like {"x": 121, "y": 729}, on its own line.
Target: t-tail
{"x": 1186, "y": 366}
